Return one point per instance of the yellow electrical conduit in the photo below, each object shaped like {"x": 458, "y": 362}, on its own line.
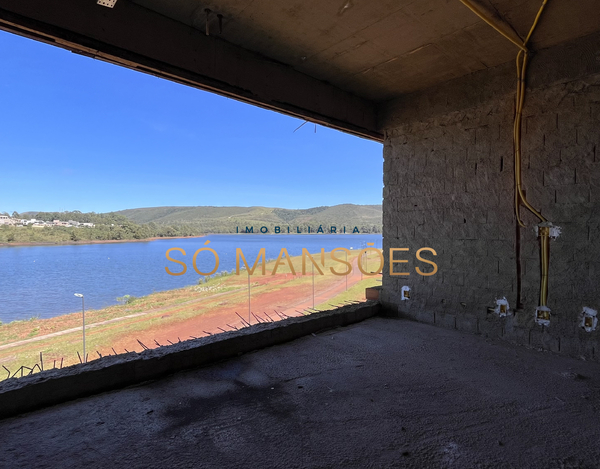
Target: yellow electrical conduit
{"x": 522, "y": 62}
{"x": 511, "y": 37}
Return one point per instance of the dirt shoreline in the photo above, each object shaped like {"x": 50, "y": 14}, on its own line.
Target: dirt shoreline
{"x": 97, "y": 241}
{"x": 166, "y": 317}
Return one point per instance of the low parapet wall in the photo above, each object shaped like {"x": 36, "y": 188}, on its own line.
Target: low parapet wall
{"x": 50, "y": 387}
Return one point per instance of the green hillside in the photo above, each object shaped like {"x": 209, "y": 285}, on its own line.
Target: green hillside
{"x": 226, "y": 219}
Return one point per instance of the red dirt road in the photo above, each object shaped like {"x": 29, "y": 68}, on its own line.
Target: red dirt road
{"x": 287, "y": 300}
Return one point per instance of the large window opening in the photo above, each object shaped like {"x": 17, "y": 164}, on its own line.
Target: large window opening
{"x": 118, "y": 189}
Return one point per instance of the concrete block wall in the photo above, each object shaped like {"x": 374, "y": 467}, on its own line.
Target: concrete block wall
{"x": 448, "y": 185}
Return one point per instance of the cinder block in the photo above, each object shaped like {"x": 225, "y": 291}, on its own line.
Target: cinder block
{"x": 579, "y": 346}
{"x": 445, "y": 320}
{"x": 467, "y": 324}
{"x": 516, "y": 335}
{"x": 502, "y": 283}
{"x": 542, "y": 337}
{"x": 491, "y": 326}
{"x": 577, "y": 155}
{"x": 579, "y": 214}
{"x": 573, "y": 194}
{"x": 423, "y": 315}
{"x": 559, "y": 176}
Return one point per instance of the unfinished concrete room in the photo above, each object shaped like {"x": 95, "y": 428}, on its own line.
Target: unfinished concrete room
{"x": 479, "y": 349}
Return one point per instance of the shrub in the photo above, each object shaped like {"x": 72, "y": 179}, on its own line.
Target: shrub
{"x": 126, "y": 299}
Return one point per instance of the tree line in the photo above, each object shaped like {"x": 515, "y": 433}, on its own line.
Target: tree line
{"x": 112, "y": 226}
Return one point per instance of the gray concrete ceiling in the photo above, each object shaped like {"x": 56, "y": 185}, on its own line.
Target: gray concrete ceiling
{"x": 380, "y": 49}
{"x": 334, "y": 63}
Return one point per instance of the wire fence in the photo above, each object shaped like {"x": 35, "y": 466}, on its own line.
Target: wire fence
{"x": 38, "y": 367}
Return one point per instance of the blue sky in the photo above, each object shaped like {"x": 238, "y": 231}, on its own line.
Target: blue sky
{"x": 81, "y": 134}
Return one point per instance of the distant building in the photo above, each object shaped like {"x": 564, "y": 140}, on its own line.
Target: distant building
{"x": 60, "y": 223}
{"x": 6, "y": 220}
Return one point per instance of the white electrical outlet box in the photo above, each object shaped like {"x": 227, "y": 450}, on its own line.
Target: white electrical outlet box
{"x": 502, "y": 307}
{"x": 589, "y": 319}
{"x": 542, "y": 316}
{"x": 554, "y": 231}
{"x": 405, "y": 293}
{"x": 107, "y": 3}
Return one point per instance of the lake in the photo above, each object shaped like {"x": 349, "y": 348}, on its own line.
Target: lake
{"x": 41, "y": 280}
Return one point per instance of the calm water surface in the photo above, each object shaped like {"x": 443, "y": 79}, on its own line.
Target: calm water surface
{"x": 40, "y": 280}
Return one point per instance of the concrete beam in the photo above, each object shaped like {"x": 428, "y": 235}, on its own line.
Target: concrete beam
{"x": 50, "y": 387}
{"x": 137, "y": 38}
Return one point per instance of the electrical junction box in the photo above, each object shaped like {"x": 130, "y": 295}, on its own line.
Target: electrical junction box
{"x": 107, "y": 3}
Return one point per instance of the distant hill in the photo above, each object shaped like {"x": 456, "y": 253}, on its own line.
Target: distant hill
{"x": 368, "y": 218}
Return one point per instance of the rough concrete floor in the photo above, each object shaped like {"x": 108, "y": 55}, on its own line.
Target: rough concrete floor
{"x": 382, "y": 393}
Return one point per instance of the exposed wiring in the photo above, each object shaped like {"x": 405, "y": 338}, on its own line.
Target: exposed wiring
{"x": 544, "y": 261}
{"x": 520, "y": 198}
{"x": 297, "y": 128}
{"x": 493, "y": 24}
{"x": 301, "y": 125}
{"x": 522, "y": 62}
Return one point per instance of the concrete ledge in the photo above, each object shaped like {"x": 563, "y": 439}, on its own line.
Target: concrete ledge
{"x": 50, "y": 387}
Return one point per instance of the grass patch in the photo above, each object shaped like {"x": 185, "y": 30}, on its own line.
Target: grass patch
{"x": 167, "y": 309}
